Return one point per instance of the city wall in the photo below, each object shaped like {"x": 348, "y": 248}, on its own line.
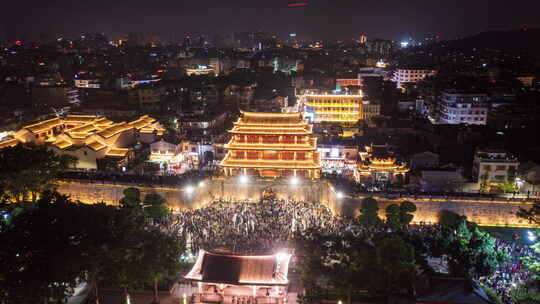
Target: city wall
{"x": 479, "y": 210}
{"x": 500, "y": 212}
{"x": 200, "y": 194}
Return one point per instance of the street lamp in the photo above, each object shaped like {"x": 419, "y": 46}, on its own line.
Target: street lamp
{"x": 519, "y": 183}
{"x": 339, "y": 194}
{"x": 244, "y": 179}
{"x": 189, "y": 189}
{"x": 294, "y": 181}
{"x": 531, "y": 236}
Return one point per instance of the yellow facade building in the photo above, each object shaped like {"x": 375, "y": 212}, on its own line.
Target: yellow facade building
{"x": 343, "y": 109}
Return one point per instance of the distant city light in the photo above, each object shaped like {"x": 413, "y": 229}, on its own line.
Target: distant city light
{"x": 189, "y": 189}
{"x": 201, "y": 184}
{"x": 339, "y": 194}
{"x": 294, "y": 180}
{"x": 244, "y": 179}
{"x": 404, "y": 44}
{"x": 292, "y": 35}
{"x": 298, "y": 4}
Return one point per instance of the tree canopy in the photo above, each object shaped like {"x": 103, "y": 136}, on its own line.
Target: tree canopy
{"x": 349, "y": 266}
{"x": 400, "y": 215}
{"x": 532, "y": 214}
{"x": 132, "y": 198}
{"x": 369, "y": 212}
{"x": 155, "y": 206}
{"x": 54, "y": 242}
{"x": 29, "y": 170}
{"x": 470, "y": 252}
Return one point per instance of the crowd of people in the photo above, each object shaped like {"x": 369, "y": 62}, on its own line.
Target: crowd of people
{"x": 252, "y": 226}
{"x": 512, "y": 273}
{"x": 255, "y": 227}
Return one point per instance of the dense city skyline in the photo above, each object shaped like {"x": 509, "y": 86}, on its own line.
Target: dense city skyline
{"x": 185, "y": 152}
{"x": 320, "y": 19}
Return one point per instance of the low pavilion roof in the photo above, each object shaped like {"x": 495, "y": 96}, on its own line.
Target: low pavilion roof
{"x": 232, "y": 269}
{"x": 263, "y": 118}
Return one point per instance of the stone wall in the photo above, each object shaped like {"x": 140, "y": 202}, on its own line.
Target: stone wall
{"x": 210, "y": 189}
{"x": 481, "y": 211}
{"x": 109, "y": 193}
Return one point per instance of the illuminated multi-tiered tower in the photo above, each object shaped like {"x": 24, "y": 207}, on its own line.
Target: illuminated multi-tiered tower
{"x": 272, "y": 145}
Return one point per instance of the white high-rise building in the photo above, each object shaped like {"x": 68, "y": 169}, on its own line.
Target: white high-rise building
{"x": 463, "y": 108}
{"x": 411, "y": 75}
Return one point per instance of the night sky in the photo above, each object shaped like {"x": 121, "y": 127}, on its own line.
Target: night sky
{"x": 389, "y": 19}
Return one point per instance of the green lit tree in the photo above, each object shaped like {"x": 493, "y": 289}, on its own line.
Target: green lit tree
{"x": 369, "y": 209}
{"x": 470, "y": 252}
{"x": 533, "y": 263}
{"x": 529, "y": 291}
{"x": 131, "y": 199}
{"x": 155, "y": 206}
{"x": 406, "y": 209}
{"x": 392, "y": 216}
{"x": 400, "y": 215}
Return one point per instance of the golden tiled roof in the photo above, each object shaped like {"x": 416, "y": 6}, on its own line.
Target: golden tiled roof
{"x": 96, "y": 145}
{"x": 63, "y": 144}
{"x": 102, "y": 122}
{"x": 79, "y": 118}
{"x": 142, "y": 122}
{"x": 240, "y": 270}
{"x": 280, "y": 164}
{"x": 271, "y": 118}
{"x": 270, "y": 130}
{"x": 9, "y": 143}
{"x": 86, "y": 128}
{"x": 114, "y": 129}
{"x": 120, "y": 152}
{"x": 311, "y": 145}
{"x": 147, "y": 130}
{"x": 43, "y": 125}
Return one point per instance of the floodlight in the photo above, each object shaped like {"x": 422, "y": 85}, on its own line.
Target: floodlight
{"x": 294, "y": 180}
